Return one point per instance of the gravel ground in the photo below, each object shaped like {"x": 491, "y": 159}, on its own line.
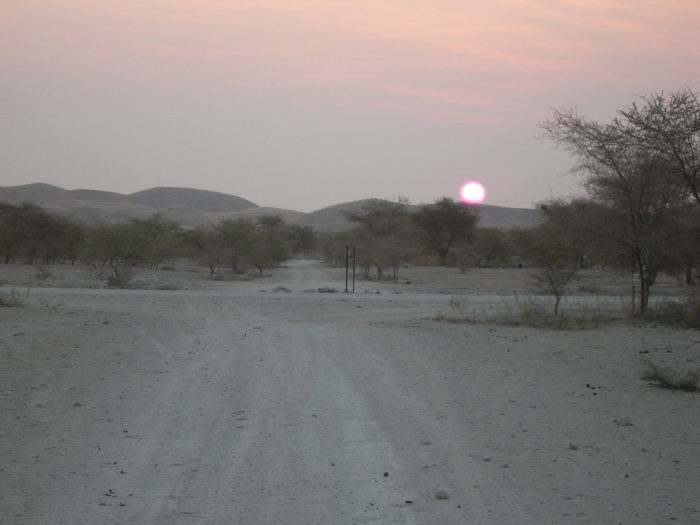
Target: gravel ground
{"x": 194, "y": 401}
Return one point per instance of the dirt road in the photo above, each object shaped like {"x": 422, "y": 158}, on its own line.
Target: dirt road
{"x": 242, "y": 406}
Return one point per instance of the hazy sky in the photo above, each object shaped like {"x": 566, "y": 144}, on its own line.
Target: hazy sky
{"x": 302, "y": 104}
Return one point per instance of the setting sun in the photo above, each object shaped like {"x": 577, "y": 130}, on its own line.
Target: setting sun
{"x": 473, "y": 193}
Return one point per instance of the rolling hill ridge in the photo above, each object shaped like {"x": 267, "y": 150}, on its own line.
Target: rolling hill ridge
{"x": 192, "y": 207}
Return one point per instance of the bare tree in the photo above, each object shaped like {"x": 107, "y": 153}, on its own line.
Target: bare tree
{"x": 118, "y": 247}
{"x": 554, "y": 256}
{"x": 635, "y": 185}
{"x": 670, "y": 126}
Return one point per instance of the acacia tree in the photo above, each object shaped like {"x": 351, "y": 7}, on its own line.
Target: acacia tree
{"x": 160, "y": 236}
{"x": 27, "y": 227}
{"x": 332, "y": 246}
{"x": 204, "y": 243}
{"x": 556, "y": 263}
{"x": 445, "y": 223}
{"x": 238, "y": 241}
{"x": 669, "y": 126}
{"x": 117, "y": 246}
{"x": 638, "y": 192}
{"x": 10, "y": 234}
{"x": 270, "y": 247}
{"x": 302, "y": 239}
{"x": 383, "y": 234}
{"x": 559, "y": 246}
{"x": 492, "y": 247}
{"x": 688, "y": 247}
{"x": 71, "y": 239}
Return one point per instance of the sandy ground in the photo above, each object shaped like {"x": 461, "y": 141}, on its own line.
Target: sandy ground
{"x": 220, "y": 403}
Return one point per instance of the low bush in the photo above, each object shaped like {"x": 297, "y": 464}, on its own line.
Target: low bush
{"x": 43, "y": 272}
{"x": 12, "y": 298}
{"x": 458, "y": 311}
{"x": 121, "y": 278}
{"x": 166, "y": 286}
{"x": 684, "y": 313}
{"x": 687, "y": 380}
{"x": 533, "y": 311}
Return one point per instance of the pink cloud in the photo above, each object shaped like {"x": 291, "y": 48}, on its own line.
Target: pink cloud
{"x": 416, "y": 50}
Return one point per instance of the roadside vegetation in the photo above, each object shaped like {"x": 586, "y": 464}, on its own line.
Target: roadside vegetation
{"x": 534, "y": 311}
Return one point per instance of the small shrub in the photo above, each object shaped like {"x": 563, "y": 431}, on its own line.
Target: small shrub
{"x": 533, "y": 311}
{"x": 687, "y": 380}
{"x": 43, "y": 272}
{"x": 685, "y": 313}
{"x": 166, "y": 286}
{"x": 13, "y": 298}
{"x": 121, "y": 278}
{"x": 457, "y": 312}
{"x": 525, "y": 310}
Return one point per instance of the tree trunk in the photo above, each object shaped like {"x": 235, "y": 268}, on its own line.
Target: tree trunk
{"x": 689, "y": 275}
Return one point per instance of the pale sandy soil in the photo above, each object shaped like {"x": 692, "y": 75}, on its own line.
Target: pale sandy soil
{"x": 219, "y": 403}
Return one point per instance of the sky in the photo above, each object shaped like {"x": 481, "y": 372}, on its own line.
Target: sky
{"x": 302, "y": 104}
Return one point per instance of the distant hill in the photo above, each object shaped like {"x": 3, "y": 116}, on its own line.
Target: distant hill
{"x": 332, "y": 218}
{"x": 191, "y": 207}
{"x": 28, "y": 192}
{"x": 83, "y": 196}
{"x": 202, "y": 200}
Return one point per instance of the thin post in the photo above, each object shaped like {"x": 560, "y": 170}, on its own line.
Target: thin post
{"x": 353, "y": 269}
{"x": 347, "y": 265}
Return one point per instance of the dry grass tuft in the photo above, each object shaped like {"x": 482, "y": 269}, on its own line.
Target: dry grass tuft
{"x": 533, "y": 311}
{"x": 684, "y": 313}
{"x": 458, "y": 311}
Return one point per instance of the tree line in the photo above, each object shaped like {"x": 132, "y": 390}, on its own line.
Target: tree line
{"x": 30, "y": 234}
{"x": 386, "y": 234}
{"x": 639, "y": 211}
